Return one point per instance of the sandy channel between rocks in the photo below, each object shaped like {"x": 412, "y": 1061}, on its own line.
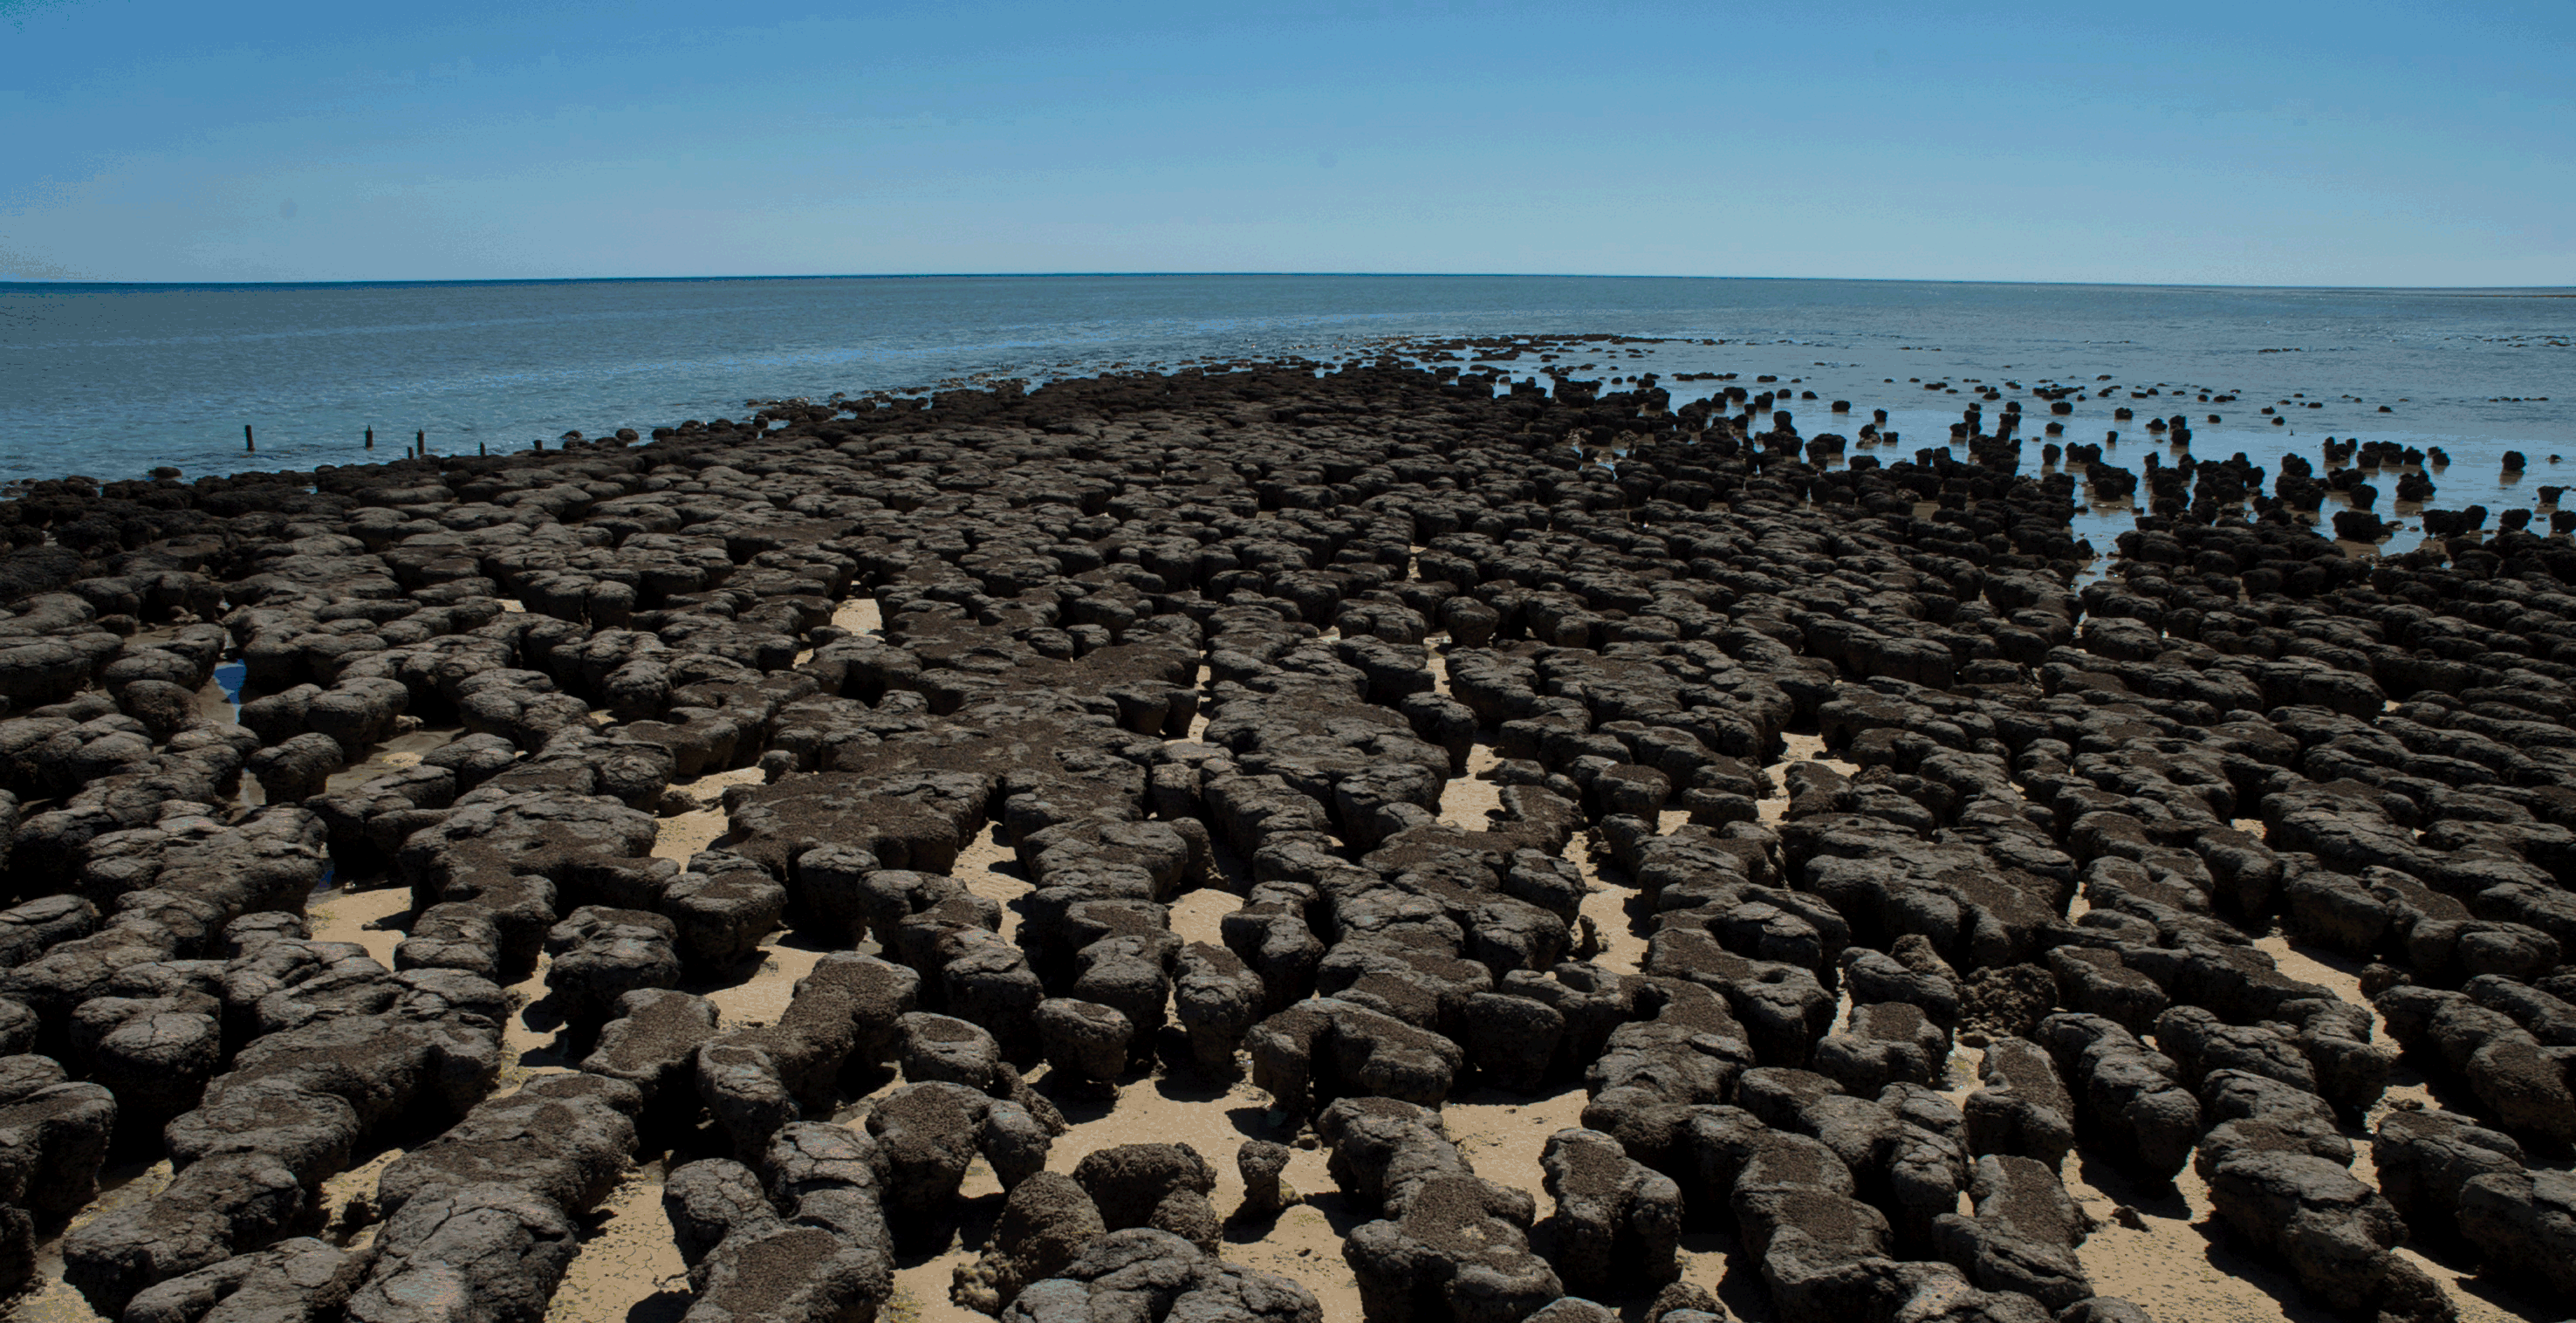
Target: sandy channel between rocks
{"x": 2160, "y": 1248}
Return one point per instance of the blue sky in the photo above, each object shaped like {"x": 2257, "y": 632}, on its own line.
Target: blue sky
{"x": 2246, "y": 143}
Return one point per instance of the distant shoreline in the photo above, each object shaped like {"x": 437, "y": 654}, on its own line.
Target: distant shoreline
{"x": 118, "y": 379}
{"x": 2471, "y": 291}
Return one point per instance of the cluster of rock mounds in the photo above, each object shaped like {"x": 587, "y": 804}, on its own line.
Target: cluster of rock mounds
{"x": 1150, "y": 627}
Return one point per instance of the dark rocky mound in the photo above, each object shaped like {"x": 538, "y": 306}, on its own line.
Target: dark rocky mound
{"x": 1245, "y": 628}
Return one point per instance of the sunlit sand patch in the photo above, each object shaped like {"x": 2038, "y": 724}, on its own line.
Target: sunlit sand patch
{"x": 1609, "y": 906}
{"x": 859, "y": 615}
{"x": 353, "y": 916}
{"x": 1197, "y": 915}
{"x": 49, "y": 1299}
{"x": 991, "y": 868}
{"x": 1470, "y": 801}
{"x": 763, "y": 996}
{"x": 628, "y": 1268}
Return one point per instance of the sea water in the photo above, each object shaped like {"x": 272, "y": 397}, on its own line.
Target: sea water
{"x": 113, "y": 380}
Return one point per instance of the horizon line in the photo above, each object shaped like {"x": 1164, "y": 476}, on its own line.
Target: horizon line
{"x": 12, "y": 283}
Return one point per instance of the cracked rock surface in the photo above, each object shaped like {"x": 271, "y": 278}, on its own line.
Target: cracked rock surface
{"x": 1579, "y": 855}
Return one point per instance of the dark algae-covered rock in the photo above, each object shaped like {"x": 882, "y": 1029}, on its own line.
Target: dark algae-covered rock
{"x": 1102, "y": 838}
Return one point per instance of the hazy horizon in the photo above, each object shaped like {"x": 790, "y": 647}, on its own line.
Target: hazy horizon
{"x": 2538, "y": 291}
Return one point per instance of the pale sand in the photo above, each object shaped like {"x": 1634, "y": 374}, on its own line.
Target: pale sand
{"x": 1503, "y": 1136}
{"x": 334, "y": 916}
{"x": 859, "y": 615}
{"x": 1473, "y": 801}
{"x": 347, "y": 1201}
{"x": 1197, "y": 915}
{"x": 1796, "y": 748}
{"x": 353, "y": 916}
{"x": 762, "y": 997}
{"x": 1773, "y": 809}
{"x": 49, "y": 1300}
{"x": 1469, "y": 802}
{"x": 2478, "y": 1301}
{"x": 2184, "y": 1266}
{"x": 216, "y": 707}
{"x": 1961, "y": 1077}
{"x": 681, "y": 835}
{"x": 990, "y": 868}
{"x": 1199, "y": 714}
{"x": 2180, "y": 1265}
{"x": 1303, "y": 1242}
{"x": 637, "y": 1277}
{"x": 374, "y": 917}
{"x": 685, "y": 834}
{"x": 1618, "y": 911}
{"x": 628, "y": 1270}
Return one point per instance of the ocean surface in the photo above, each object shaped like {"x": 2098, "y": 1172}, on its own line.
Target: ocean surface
{"x": 112, "y": 380}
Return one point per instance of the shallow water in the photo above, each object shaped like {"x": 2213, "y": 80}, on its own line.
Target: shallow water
{"x": 111, "y": 380}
